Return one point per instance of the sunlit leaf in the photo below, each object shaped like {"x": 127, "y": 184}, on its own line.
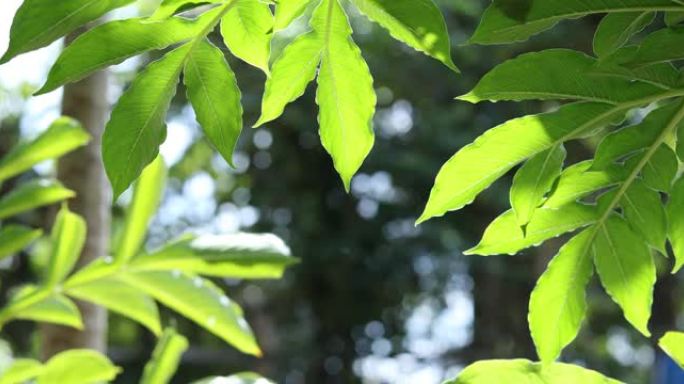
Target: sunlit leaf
{"x": 627, "y": 270}
{"x": 558, "y": 304}
{"x": 239, "y": 378}
{"x": 675, "y": 217}
{"x": 643, "y": 209}
{"x": 214, "y": 94}
{"x": 21, "y": 371}
{"x": 33, "y": 195}
{"x": 524, "y": 371}
{"x": 147, "y": 195}
{"x": 418, "y": 23}
{"x": 78, "y": 366}
{"x": 673, "y": 344}
{"x": 165, "y": 358}
{"x": 68, "y": 238}
{"x": 40, "y": 22}
{"x": 14, "y": 238}
{"x": 200, "y": 301}
{"x": 287, "y": 11}
{"x": 247, "y": 29}
{"x": 63, "y": 136}
{"x": 247, "y": 256}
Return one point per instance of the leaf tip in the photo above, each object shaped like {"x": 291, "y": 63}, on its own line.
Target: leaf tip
{"x": 469, "y": 97}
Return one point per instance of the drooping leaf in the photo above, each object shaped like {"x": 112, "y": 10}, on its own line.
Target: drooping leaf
{"x": 200, "y": 301}
{"x": 147, "y": 194}
{"x": 214, "y": 94}
{"x": 242, "y": 378}
{"x": 118, "y": 297}
{"x": 78, "y": 366}
{"x": 165, "y": 358}
{"x": 68, "y": 237}
{"x": 504, "y": 235}
{"x": 643, "y": 209}
{"x": 137, "y": 126}
{"x": 675, "y": 217}
{"x": 417, "y": 23}
{"x": 558, "y": 303}
{"x": 510, "y": 21}
{"x": 14, "y": 238}
{"x": 478, "y": 165}
{"x": 287, "y": 11}
{"x": 578, "y": 181}
{"x": 238, "y": 256}
{"x": 631, "y": 139}
{"x": 116, "y": 41}
{"x": 345, "y": 96}
{"x": 40, "y": 22}
{"x": 533, "y": 180}
{"x": 627, "y": 270}
{"x": 558, "y": 74}
{"x": 21, "y": 371}
{"x": 525, "y": 371}
{"x": 616, "y": 29}
{"x": 247, "y": 29}
{"x": 63, "y": 136}
{"x": 673, "y": 344}
{"x": 292, "y": 71}
{"x": 33, "y": 195}
{"x": 168, "y": 8}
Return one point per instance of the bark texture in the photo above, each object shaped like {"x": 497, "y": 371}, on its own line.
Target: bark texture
{"x": 83, "y": 172}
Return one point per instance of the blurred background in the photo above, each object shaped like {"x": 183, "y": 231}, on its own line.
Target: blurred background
{"x": 375, "y": 299}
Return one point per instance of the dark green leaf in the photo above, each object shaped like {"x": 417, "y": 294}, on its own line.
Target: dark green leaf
{"x": 616, "y": 29}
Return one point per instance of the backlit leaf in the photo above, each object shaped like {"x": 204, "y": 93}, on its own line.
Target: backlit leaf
{"x": 14, "y": 238}
{"x": 165, "y": 358}
{"x": 675, "y": 216}
{"x": 68, "y": 238}
{"x": 287, "y": 11}
{"x": 78, "y": 366}
{"x": 247, "y": 29}
{"x": 673, "y": 344}
{"x": 32, "y": 195}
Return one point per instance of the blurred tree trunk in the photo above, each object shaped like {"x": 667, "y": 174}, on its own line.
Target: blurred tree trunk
{"x": 83, "y": 172}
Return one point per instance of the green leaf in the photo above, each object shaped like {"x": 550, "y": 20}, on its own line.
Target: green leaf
{"x": 511, "y": 21}
{"x": 33, "y": 195}
{"x": 247, "y": 29}
{"x": 168, "y": 8}
{"x": 417, "y": 23}
{"x": 147, "y": 194}
{"x": 165, "y": 358}
{"x": 643, "y": 209}
{"x": 661, "y": 169}
{"x": 14, "y": 238}
{"x": 40, "y": 22}
{"x": 525, "y": 371}
{"x": 662, "y": 75}
{"x": 345, "y": 96}
{"x": 55, "y": 309}
{"x": 214, "y": 94}
{"x": 200, "y": 301}
{"x": 68, "y": 238}
{"x": 673, "y": 344}
{"x": 558, "y": 74}
{"x": 673, "y": 19}
{"x": 63, "y": 136}
{"x": 558, "y": 303}
{"x": 680, "y": 143}
{"x": 137, "y": 126}
{"x": 287, "y": 11}
{"x": 627, "y": 270}
{"x": 78, "y": 366}
{"x": 504, "y": 235}
{"x": 116, "y": 41}
{"x": 292, "y": 71}
{"x": 239, "y": 378}
{"x": 21, "y": 371}
{"x": 616, "y": 29}
{"x": 118, "y": 297}
{"x": 237, "y": 256}
{"x": 659, "y": 47}
{"x": 631, "y": 139}
{"x": 478, "y": 165}
{"x": 675, "y": 217}
{"x": 578, "y": 181}
{"x": 533, "y": 180}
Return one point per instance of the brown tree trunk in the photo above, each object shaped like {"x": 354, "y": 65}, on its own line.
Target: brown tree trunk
{"x": 83, "y": 172}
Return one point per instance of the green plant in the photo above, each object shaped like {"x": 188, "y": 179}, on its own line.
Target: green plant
{"x": 614, "y": 201}
{"x": 63, "y": 136}
{"x": 136, "y": 128}
{"x": 132, "y": 279}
